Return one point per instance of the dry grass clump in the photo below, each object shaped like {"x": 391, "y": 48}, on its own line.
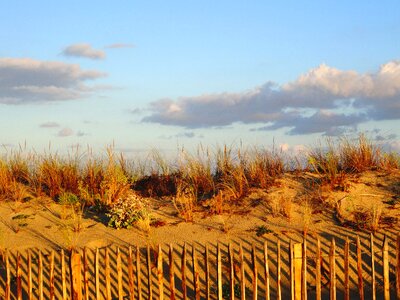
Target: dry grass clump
{"x": 359, "y": 156}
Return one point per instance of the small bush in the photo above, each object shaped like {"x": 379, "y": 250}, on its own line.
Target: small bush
{"x": 128, "y": 210}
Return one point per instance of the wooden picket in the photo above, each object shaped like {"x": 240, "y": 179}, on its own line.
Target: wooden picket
{"x": 228, "y": 271}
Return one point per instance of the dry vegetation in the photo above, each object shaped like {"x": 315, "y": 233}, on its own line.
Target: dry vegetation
{"x": 209, "y": 181}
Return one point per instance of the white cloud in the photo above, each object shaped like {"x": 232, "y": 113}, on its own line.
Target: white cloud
{"x": 323, "y": 100}
{"x": 119, "y": 46}
{"x": 84, "y": 50}
{"x": 65, "y": 132}
{"x": 49, "y": 125}
{"x": 26, "y": 80}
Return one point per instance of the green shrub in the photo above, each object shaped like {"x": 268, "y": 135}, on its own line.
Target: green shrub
{"x": 127, "y": 210}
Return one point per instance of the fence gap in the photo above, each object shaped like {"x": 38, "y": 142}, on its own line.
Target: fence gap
{"x": 196, "y": 275}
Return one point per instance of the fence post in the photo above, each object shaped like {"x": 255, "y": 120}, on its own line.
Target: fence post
{"x": 76, "y": 280}
{"x": 297, "y": 270}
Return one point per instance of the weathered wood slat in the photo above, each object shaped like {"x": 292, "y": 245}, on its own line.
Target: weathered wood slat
{"x": 30, "y": 286}
{"x": 183, "y": 272}
{"x": 346, "y": 269}
{"x": 196, "y": 275}
{"x": 138, "y": 274}
{"x": 119, "y": 275}
{"x": 278, "y": 271}
{"x": 85, "y": 274}
{"x": 76, "y": 280}
{"x": 255, "y": 272}
{"x": 131, "y": 276}
{"x": 63, "y": 275}
{"x": 304, "y": 270}
{"x": 242, "y": 274}
{"x": 207, "y": 270}
{"x": 266, "y": 270}
{"x": 332, "y": 267}
{"x": 97, "y": 273}
{"x": 149, "y": 275}
{"x": 40, "y": 276}
{"x": 219, "y": 272}
{"x": 18, "y": 277}
{"x": 385, "y": 261}
{"x": 373, "y": 283}
{"x": 160, "y": 274}
{"x": 360, "y": 270}
{"x": 398, "y": 267}
{"x": 51, "y": 275}
{"x": 231, "y": 272}
{"x": 171, "y": 272}
{"x": 318, "y": 270}
{"x": 108, "y": 275}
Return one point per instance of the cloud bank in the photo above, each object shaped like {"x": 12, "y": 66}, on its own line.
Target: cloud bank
{"x": 323, "y": 100}
{"x": 84, "y": 50}
{"x": 25, "y": 80}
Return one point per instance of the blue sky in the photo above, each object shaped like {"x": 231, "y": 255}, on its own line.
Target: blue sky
{"x": 157, "y": 74}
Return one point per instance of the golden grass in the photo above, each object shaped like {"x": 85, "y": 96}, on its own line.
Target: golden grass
{"x": 222, "y": 177}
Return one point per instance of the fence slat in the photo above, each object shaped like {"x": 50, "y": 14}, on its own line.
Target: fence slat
{"x": 231, "y": 272}
{"x": 207, "y": 265}
{"x": 19, "y": 273}
{"x": 385, "y": 259}
{"x": 266, "y": 269}
{"x": 30, "y": 288}
{"x": 398, "y": 267}
{"x": 97, "y": 273}
{"x": 278, "y": 271}
{"x": 51, "y": 273}
{"x": 346, "y": 269}
{"x": 8, "y": 277}
{"x": 160, "y": 274}
{"x": 318, "y": 271}
{"x": 108, "y": 275}
{"x": 119, "y": 275}
{"x": 85, "y": 274}
{"x": 138, "y": 273}
{"x": 131, "y": 276}
{"x": 148, "y": 261}
{"x": 291, "y": 263}
{"x": 75, "y": 271}
{"x": 242, "y": 275}
{"x": 297, "y": 271}
{"x": 183, "y": 271}
{"x": 63, "y": 275}
{"x": 219, "y": 272}
{"x": 171, "y": 272}
{"x": 373, "y": 283}
{"x": 304, "y": 270}
{"x": 196, "y": 278}
{"x": 359, "y": 270}
{"x": 255, "y": 273}
{"x": 332, "y": 267}
{"x": 40, "y": 276}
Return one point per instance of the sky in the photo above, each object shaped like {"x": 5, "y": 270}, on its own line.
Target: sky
{"x": 167, "y": 74}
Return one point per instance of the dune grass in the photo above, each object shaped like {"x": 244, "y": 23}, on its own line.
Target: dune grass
{"x": 223, "y": 176}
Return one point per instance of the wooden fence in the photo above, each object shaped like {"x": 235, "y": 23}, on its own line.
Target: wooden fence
{"x": 308, "y": 269}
